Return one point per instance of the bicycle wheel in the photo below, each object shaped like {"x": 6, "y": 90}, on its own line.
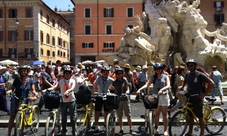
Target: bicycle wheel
{"x": 50, "y": 124}
{"x": 178, "y": 124}
{"x": 215, "y": 121}
{"x": 110, "y": 124}
{"x": 151, "y": 123}
{"x": 18, "y": 125}
{"x": 35, "y": 120}
{"x": 82, "y": 122}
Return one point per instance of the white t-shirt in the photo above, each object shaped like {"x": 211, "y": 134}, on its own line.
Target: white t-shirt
{"x": 36, "y": 79}
{"x": 65, "y": 85}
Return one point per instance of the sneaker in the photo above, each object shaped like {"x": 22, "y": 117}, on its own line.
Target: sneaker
{"x": 121, "y": 132}
{"x": 132, "y": 132}
{"x": 165, "y": 133}
{"x": 96, "y": 129}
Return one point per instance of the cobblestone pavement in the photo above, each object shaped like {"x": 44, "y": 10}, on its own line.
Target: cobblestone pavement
{"x": 137, "y": 110}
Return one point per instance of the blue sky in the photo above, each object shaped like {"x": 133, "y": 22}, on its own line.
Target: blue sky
{"x": 60, "y": 4}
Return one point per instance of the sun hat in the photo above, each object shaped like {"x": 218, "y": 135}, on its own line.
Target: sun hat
{"x": 127, "y": 65}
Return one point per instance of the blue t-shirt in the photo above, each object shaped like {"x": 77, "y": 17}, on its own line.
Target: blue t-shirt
{"x": 159, "y": 83}
{"x": 103, "y": 85}
{"x": 21, "y": 90}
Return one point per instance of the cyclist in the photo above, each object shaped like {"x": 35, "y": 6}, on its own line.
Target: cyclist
{"x": 21, "y": 87}
{"x": 121, "y": 87}
{"x": 195, "y": 82}
{"x": 67, "y": 85}
{"x": 101, "y": 86}
{"x": 161, "y": 85}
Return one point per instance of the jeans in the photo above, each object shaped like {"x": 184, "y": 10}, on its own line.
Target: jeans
{"x": 72, "y": 112}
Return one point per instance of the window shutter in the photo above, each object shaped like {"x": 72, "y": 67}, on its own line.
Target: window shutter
{"x": 222, "y": 4}
{"x": 215, "y": 17}
{"x": 32, "y": 35}
{"x": 1, "y": 35}
{"x": 92, "y": 45}
{"x": 83, "y": 45}
{"x": 215, "y": 4}
{"x": 112, "y": 9}
{"x": 113, "y": 45}
{"x": 9, "y": 35}
{"x": 104, "y": 12}
{"x": 25, "y": 33}
{"x": 222, "y": 17}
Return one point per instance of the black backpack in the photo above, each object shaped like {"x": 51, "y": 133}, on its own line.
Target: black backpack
{"x": 83, "y": 96}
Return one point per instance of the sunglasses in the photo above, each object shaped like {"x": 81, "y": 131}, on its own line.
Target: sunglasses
{"x": 158, "y": 69}
{"x": 191, "y": 65}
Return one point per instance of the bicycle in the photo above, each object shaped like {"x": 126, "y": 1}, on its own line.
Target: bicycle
{"x": 27, "y": 116}
{"x": 215, "y": 118}
{"x": 85, "y": 117}
{"x": 53, "y": 119}
{"x": 149, "y": 116}
{"x": 111, "y": 119}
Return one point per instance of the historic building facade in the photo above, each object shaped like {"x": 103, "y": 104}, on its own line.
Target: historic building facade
{"x": 99, "y": 26}
{"x": 30, "y": 30}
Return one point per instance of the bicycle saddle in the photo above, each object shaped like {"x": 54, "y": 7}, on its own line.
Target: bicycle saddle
{"x": 210, "y": 99}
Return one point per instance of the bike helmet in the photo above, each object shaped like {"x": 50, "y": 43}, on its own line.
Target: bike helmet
{"x": 191, "y": 61}
{"x": 105, "y": 69}
{"x": 118, "y": 69}
{"x": 158, "y": 65}
{"x": 22, "y": 67}
{"x": 67, "y": 70}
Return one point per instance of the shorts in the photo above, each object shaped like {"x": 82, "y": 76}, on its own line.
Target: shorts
{"x": 163, "y": 100}
{"x": 98, "y": 104}
{"x": 124, "y": 106}
{"x": 197, "y": 108}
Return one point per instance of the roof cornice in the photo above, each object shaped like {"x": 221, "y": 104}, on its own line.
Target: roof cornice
{"x": 106, "y": 1}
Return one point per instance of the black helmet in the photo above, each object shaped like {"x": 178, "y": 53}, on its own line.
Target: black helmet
{"x": 105, "y": 69}
{"x": 67, "y": 70}
{"x": 191, "y": 61}
{"x": 22, "y": 67}
{"x": 118, "y": 69}
{"x": 158, "y": 65}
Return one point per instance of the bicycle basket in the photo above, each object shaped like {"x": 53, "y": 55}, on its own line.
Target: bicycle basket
{"x": 151, "y": 101}
{"x": 51, "y": 100}
{"x": 112, "y": 101}
{"x": 83, "y": 96}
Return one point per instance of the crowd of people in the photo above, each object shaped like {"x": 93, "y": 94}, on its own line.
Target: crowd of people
{"x": 31, "y": 82}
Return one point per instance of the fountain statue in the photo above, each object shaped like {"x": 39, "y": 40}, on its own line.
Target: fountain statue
{"x": 173, "y": 32}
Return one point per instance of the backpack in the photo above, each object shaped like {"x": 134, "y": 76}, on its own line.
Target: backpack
{"x": 83, "y": 96}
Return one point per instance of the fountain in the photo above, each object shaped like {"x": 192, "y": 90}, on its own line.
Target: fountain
{"x": 173, "y": 32}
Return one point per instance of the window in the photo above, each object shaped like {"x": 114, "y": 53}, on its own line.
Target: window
{"x": 87, "y": 45}
{"x": 108, "y": 29}
{"x": 53, "y": 22}
{"x": 48, "y": 39}
{"x": 87, "y": 29}
{"x": 48, "y": 53}
{"x": 87, "y": 12}
{"x": 59, "y": 41}
{"x": 12, "y": 13}
{"x": 1, "y": 52}
{"x": 28, "y": 35}
{"x": 1, "y": 35}
{"x": 53, "y": 54}
{"x": 219, "y": 19}
{"x": 41, "y": 36}
{"x": 48, "y": 19}
{"x": 129, "y": 12}
{"x": 41, "y": 51}
{"x": 108, "y": 45}
{"x": 53, "y": 40}
{"x": 130, "y": 26}
{"x": 28, "y": 52}
{"x": 108, "y": 12}
{"x": 12, "y": 51}
{"x": 41, "y": 14}
{"x": 219, "y": 5}
{"x": 12, "y": 35}
{"x": 0, "y": 13}
{"x": 28, "y": 12}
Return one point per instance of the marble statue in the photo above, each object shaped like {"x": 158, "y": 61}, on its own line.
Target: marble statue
{"x": 172, "y": 31}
